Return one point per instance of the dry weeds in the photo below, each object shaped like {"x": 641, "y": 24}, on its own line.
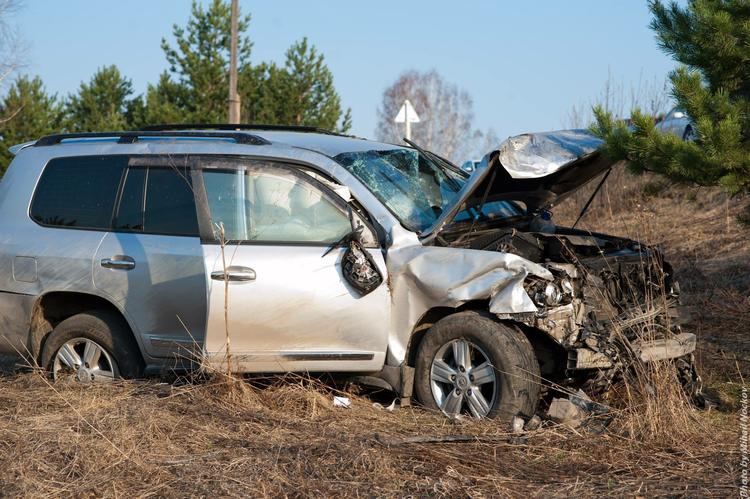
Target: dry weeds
{"x": 224, "y": 437}
{"x": 284, "y": 437}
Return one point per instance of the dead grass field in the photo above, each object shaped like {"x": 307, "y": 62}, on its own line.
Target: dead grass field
{"x": 223, "y": 437}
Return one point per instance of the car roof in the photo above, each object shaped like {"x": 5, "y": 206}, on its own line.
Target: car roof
{"x": 330, "y": 145}
{"x": 321, "y": 141}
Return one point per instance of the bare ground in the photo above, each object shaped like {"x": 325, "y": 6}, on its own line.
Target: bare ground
{"x": 283, "y": 438}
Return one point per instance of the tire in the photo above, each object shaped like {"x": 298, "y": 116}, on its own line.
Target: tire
{"x": 106, "y": 330}
{"x": 517, "y": 384}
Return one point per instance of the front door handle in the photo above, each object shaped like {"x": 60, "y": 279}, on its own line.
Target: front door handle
{"x": 234, "y": 273}
{"x": 120, "y": 262}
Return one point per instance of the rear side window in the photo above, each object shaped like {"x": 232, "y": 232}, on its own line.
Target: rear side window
{"x": 130, "y": 214}
{"x": 158, "y": 201}
{"x": 170, "y": 203}
{"x": 78, "y": 192}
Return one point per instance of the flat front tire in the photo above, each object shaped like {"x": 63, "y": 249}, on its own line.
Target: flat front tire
{"x": 471, "y": 364}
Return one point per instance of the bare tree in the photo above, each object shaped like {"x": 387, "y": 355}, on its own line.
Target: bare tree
{"x": 445, "y": 113}
{"x": 12, "y": 48}
{"x": 650, "y": 96}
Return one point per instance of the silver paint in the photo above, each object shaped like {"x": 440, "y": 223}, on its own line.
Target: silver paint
{"x": 297, "y": 306}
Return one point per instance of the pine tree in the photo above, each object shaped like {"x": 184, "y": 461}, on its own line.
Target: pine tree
{"x": 300, "y": 93}
{"x": 105, "y": 103}
{"x": 27, "y": 112}
{"x": 196, "y": 87}
{"x": 711, "y": 39}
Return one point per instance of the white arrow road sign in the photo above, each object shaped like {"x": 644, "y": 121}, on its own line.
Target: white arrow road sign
{"x": 407, "y": 112}
{"x": 407, "y": 115}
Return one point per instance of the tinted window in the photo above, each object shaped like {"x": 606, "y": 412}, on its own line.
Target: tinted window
{"x": 78, "y": 192}
{"x": 170, "y": 205}
{"x": 130, "y": 214}
{"x": 272, "y": 206}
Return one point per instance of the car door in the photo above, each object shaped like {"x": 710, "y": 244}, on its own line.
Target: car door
{"x": 151, "y": 263}
{"x": 285, "y": 305}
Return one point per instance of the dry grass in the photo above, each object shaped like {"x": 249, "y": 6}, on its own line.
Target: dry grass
{"x": 226, "y": 438}
{"x": 284, "y": 438}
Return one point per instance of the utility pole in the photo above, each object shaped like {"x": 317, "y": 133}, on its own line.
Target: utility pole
{"x": 234, "y": 97}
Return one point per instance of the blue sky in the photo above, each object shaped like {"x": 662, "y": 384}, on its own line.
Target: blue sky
{"x": 524, "y": 63}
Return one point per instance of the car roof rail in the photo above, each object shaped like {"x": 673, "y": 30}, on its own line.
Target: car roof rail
{"x": 131, "y": 137}
{"x": 237, "y": 127}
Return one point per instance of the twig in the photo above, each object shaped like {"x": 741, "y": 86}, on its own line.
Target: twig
{"x": 442, "y": 439}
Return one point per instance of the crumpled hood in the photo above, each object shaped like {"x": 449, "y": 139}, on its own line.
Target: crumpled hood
{"x": 538, "y": 169}
{"x": 541, "y": 169}
{"x": 535, "y": 155}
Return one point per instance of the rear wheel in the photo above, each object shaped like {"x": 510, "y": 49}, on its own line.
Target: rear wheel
{"x": 92, "y": 347}
{"x": 471, "y": 364}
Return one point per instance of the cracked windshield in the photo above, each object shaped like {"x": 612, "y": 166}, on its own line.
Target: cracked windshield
{"x": 413, "y": 187}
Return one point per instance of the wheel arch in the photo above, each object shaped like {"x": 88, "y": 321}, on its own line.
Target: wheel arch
{"x": 53, "y": 307}
{"x": 550, "y": 355}
{"x": 431, "y": 317}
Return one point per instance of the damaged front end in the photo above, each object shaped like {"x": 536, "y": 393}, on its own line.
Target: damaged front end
{"x": 612, "y": 302}
{"x": 609, "y": 310}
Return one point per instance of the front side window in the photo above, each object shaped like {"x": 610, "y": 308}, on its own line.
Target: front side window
{"x": 78, "y": 192}
{"x": 273, "y": 205}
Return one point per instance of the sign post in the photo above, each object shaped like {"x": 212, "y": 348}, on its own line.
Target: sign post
{"x": 407, "y": 115}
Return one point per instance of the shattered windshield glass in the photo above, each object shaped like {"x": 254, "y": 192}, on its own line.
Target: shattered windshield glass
{"x": 413, "y": 187}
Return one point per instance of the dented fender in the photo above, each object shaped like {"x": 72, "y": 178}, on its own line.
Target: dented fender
{"x": 425, "y": 277}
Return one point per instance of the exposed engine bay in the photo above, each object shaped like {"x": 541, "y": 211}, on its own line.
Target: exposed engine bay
{"x": 612, "y": 301}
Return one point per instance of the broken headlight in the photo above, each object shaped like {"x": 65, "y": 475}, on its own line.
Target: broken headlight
{"x": 551, "y": 294}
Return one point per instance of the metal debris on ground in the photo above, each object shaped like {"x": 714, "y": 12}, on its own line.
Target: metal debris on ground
{"x": 390, "y": 408}
{"x": 579, "y": 411}
{"x": 342, "y": 402}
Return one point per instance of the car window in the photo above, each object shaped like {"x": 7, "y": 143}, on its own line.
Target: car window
{"x": 130, "y": 212}
{"x": 157, "y": 200}
{"x": 413, "y": 187}
{"x": 272, "y": 206}
{"x": 170, "y": 203}
{"x": 78, "y": 192}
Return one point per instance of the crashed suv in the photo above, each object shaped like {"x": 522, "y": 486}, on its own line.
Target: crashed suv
{"x": 276, "y": 249}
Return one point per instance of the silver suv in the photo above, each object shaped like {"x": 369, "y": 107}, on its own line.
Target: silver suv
{"x": 280, "y": 249}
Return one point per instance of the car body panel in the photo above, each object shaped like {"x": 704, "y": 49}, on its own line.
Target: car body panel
{"x": 164, "y": 294}
{"x": 676, "y": 122}
{"x": 538, "y": 169}
{"x": 297, "y": 314}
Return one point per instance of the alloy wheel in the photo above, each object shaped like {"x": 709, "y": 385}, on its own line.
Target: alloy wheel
{"x": 463, "y": 379}
{"x": 83, "y": 360}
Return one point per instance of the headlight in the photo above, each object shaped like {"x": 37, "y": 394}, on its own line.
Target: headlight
{"x": 567, "y": 287}
{"x": 552, "y": 295}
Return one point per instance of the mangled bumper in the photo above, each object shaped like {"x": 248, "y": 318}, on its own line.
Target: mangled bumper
{"x": 646, "y": 351}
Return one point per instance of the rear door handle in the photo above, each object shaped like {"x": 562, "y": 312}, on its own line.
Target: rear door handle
{"x": 234, "y": 273}
{"x": 119, "y": 262}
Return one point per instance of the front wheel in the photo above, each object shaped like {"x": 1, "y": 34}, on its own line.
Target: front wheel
{"x": 471, "y": 364}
